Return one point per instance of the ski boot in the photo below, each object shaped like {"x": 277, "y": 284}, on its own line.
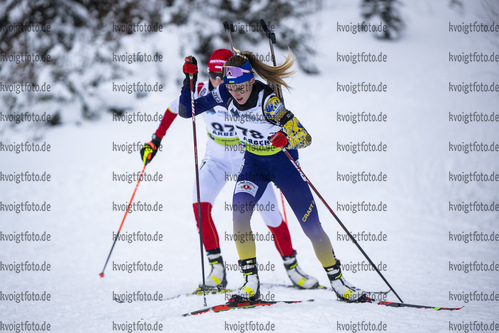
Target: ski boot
{"x": 217, "y": 279}
{"x": 296, "y": 274}
{"x": 250, "y": 290}
{"x": 343, "y": 289}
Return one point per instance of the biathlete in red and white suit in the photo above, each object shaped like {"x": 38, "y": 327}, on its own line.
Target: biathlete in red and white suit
{"x": 222, "y": 162}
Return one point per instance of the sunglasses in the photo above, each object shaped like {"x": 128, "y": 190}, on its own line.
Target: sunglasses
{"x": 234, "y": 72}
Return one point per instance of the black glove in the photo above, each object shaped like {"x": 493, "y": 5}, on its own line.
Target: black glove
{"x": 190, "y": 67}
{"x": 150, "y": 149}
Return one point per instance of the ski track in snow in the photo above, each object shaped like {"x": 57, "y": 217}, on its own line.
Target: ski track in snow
{"x": 417, "y": 254}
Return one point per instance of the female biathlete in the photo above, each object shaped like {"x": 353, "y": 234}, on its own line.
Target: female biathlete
{"x": 268, "y": 126}
{"x": 222, "y": 158}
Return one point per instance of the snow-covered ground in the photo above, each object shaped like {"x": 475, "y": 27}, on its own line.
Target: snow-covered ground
{"x": 424, "y": 254}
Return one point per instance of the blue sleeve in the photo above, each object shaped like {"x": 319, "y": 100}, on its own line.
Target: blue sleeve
{"x": 218, "y": 96}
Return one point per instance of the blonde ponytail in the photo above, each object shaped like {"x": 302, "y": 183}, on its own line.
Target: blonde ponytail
{"x": 275, "y": 75}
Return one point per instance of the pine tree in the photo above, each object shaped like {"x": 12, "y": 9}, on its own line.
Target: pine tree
{"x": 72, "y": 41}
{"x": 386, "y": 11}
{"x": 76, "y": 40}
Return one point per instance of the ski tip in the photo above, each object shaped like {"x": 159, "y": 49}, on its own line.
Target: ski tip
{"x": 450, "y": 309}
{"x": 401, "y": 305}
{"x": 101, "y": 274}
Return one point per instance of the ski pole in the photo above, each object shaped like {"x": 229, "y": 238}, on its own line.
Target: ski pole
{"x": 339, "y": 221}
{"x": 229, "y": 27}
{"x": 198, "y": 193}
{"x": 123, "y": 221}
{"x": 272, "y": 41}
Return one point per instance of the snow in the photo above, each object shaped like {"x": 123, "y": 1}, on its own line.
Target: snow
{"x": 418, "y": 253}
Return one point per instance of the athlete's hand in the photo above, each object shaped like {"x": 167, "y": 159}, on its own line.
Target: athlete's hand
{"x": 190, "y": 68}
{"x": 279, "y": 139}
{"x": 150, "y": 149}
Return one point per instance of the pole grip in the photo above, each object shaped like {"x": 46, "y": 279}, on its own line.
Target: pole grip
{"x": 229, "y": 26}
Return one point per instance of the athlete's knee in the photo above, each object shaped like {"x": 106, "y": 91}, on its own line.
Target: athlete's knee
{"x": 313, "y": 231}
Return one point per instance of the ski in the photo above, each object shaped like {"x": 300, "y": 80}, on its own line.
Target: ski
{"x": 197, "y": 292}
{"x": 372, "y": 294}
{"x": 407, "y": 305}
{"x": 291, "y": 286}
{"x": 230, "y": 305}
{"x": 377, "y": 295}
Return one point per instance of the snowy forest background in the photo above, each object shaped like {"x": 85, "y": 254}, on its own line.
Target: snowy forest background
{"x": 83, "y": 36}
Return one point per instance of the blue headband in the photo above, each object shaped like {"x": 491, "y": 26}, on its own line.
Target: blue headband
{"x": 236, "y": 76}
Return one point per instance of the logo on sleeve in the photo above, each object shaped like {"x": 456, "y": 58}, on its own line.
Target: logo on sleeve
{"x": 203, "y": 91}
{"x": 273, "y": 106}
{"x": 216, "y": 95}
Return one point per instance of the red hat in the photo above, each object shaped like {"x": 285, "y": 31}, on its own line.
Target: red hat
{"x": 218, "y": 59}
